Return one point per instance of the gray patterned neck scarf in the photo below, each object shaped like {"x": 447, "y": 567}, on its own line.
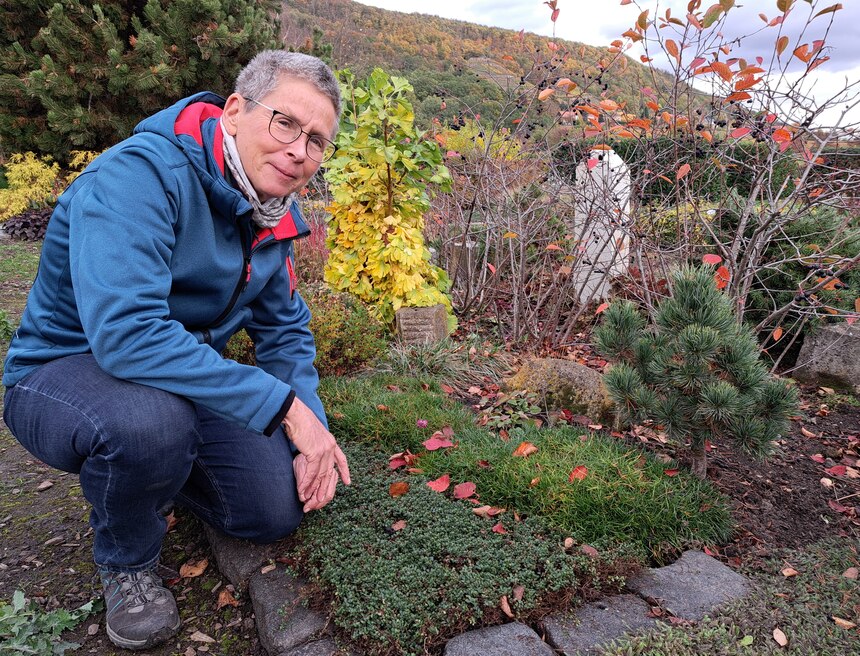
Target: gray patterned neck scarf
{"x": 266, "y": 215}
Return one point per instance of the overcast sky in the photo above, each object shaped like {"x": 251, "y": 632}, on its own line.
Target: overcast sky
{"x": 599, "y": 22}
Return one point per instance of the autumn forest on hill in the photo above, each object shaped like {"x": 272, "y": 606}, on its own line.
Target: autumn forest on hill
{"x": 461, "y": 69}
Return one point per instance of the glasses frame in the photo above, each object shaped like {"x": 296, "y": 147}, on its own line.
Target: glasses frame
{"x": 276, "y": 112}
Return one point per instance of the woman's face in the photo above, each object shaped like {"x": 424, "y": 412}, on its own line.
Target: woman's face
{"x": 276, "y": 169}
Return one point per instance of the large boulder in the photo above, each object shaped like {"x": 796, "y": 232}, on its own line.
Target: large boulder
{"x": 831, "y": 357}
{"x": 564, "y": 385}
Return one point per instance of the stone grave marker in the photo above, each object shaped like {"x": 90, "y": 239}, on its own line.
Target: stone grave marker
{"x": 424, "y": 325}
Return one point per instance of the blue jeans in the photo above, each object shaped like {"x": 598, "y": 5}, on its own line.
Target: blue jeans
{"x": 136, "y": 448}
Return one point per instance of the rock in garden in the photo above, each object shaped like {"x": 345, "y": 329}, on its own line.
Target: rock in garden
{"x": 513, "y": 639}
{"x": 284, "y": 621}
{"x": 585, "y": 630}
{"x": 692, "y": 586}
{"x": 831, "y": 357}
{"x": 564, "y": 385}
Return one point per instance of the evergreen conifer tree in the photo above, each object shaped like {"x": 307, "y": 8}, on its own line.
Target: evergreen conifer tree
{"x": 695, "y": 371}
{"x": 79, "y": 76}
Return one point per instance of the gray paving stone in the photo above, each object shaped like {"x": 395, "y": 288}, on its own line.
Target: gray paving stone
{"x": 284, "y": 622}
{"x": 513, "y": 639}
{"x": 692, "y": 586}
{"x": 236, "y": 559}
{"x": 582, "y": 631}
{"x": 324, "y": 647}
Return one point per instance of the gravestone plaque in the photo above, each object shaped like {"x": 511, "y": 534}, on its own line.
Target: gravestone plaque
{"x": 424, "y": 325}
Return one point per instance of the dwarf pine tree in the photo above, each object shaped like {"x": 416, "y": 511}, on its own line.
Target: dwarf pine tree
{"x": 79, "y": 75}
{"x": 695, "y": 371}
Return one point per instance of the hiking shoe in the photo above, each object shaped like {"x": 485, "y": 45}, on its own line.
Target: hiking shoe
{"x": 139, "y": 611}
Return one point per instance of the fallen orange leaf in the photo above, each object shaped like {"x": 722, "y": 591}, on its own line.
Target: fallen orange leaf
{"x": 193, "y": 568}
{"x": 505, "y": 606}
{"x": 525, "y": 449}
{"x": 226, "y": 598}
{"x": 398, "y": 489}
{"x": 842, "y": 623}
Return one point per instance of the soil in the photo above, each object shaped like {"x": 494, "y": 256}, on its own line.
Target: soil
{"x": 787, "y": 500}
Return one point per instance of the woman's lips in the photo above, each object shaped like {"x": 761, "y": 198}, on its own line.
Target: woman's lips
{"x": 283, "y": 173}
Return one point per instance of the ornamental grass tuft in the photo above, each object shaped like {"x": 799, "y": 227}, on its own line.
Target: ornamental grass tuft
{"x": 590, "y": 487}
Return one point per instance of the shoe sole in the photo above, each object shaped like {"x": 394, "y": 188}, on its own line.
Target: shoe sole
{"x": 155, "y": 639}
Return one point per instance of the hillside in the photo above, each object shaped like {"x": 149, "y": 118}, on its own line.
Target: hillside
{"x": 470, "y": 67}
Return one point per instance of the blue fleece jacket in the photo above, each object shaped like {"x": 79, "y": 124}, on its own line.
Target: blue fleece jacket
{"x": 151, "y": 263}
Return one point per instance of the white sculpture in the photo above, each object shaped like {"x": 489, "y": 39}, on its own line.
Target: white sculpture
{"x": 602, "y": 214}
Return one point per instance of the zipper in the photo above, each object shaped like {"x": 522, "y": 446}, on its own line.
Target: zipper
{"x": 244, "y": 279}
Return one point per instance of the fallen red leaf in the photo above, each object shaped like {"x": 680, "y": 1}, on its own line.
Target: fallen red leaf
{"x": 435, "y": 443}
{"x": 817, "y": 458}
{"x": 487, "y": 511}
{"x": 440, "y": 484}
{"x": 399, "y": 525}
{"x": 464, "y": 490}
{"x": 483, "y": 464}
{"x": 498, "y": 528}
{"x": 579, "y": 472}
{"x": 670, "y": 472}
{"x": 446, "y": 388}
{"x": 394, "y": 463}
{"x": 837, "y": 470}
{"x": 601, "y": 308}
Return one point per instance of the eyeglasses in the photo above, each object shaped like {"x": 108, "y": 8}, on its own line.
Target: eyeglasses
{"x": 286, "y": 129}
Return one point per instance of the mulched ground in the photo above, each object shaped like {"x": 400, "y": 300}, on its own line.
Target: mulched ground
{"x": 806, "y": 490}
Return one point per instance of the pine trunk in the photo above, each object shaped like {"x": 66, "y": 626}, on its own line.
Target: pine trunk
{"x": 699, "y": 464}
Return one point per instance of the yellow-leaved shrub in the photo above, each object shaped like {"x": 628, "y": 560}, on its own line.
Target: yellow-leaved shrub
{"x": 378, "y": 180}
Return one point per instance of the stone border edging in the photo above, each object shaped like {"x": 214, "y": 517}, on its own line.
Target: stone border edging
{"x": 689, "y": 588}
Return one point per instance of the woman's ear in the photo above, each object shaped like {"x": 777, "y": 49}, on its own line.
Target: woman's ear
{"x": 230, "y": 117}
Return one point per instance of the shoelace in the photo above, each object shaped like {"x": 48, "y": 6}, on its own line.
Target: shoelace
{"x": 138, "y": 588}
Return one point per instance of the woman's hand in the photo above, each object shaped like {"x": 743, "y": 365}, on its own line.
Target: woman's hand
{"x": 320, "y": 460}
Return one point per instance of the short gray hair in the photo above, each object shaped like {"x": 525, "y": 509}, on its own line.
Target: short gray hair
{"x": 263, "y": 74}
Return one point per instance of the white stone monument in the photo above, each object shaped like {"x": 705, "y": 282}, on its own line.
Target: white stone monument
{"x": 602, "y": 214}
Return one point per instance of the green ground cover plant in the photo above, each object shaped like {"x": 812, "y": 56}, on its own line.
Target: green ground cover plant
{"x": 408, "y": 568}
{"x": 590, "y": 487}
{"x": 805, "y": 607}
{"x": 27, "y": 629}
